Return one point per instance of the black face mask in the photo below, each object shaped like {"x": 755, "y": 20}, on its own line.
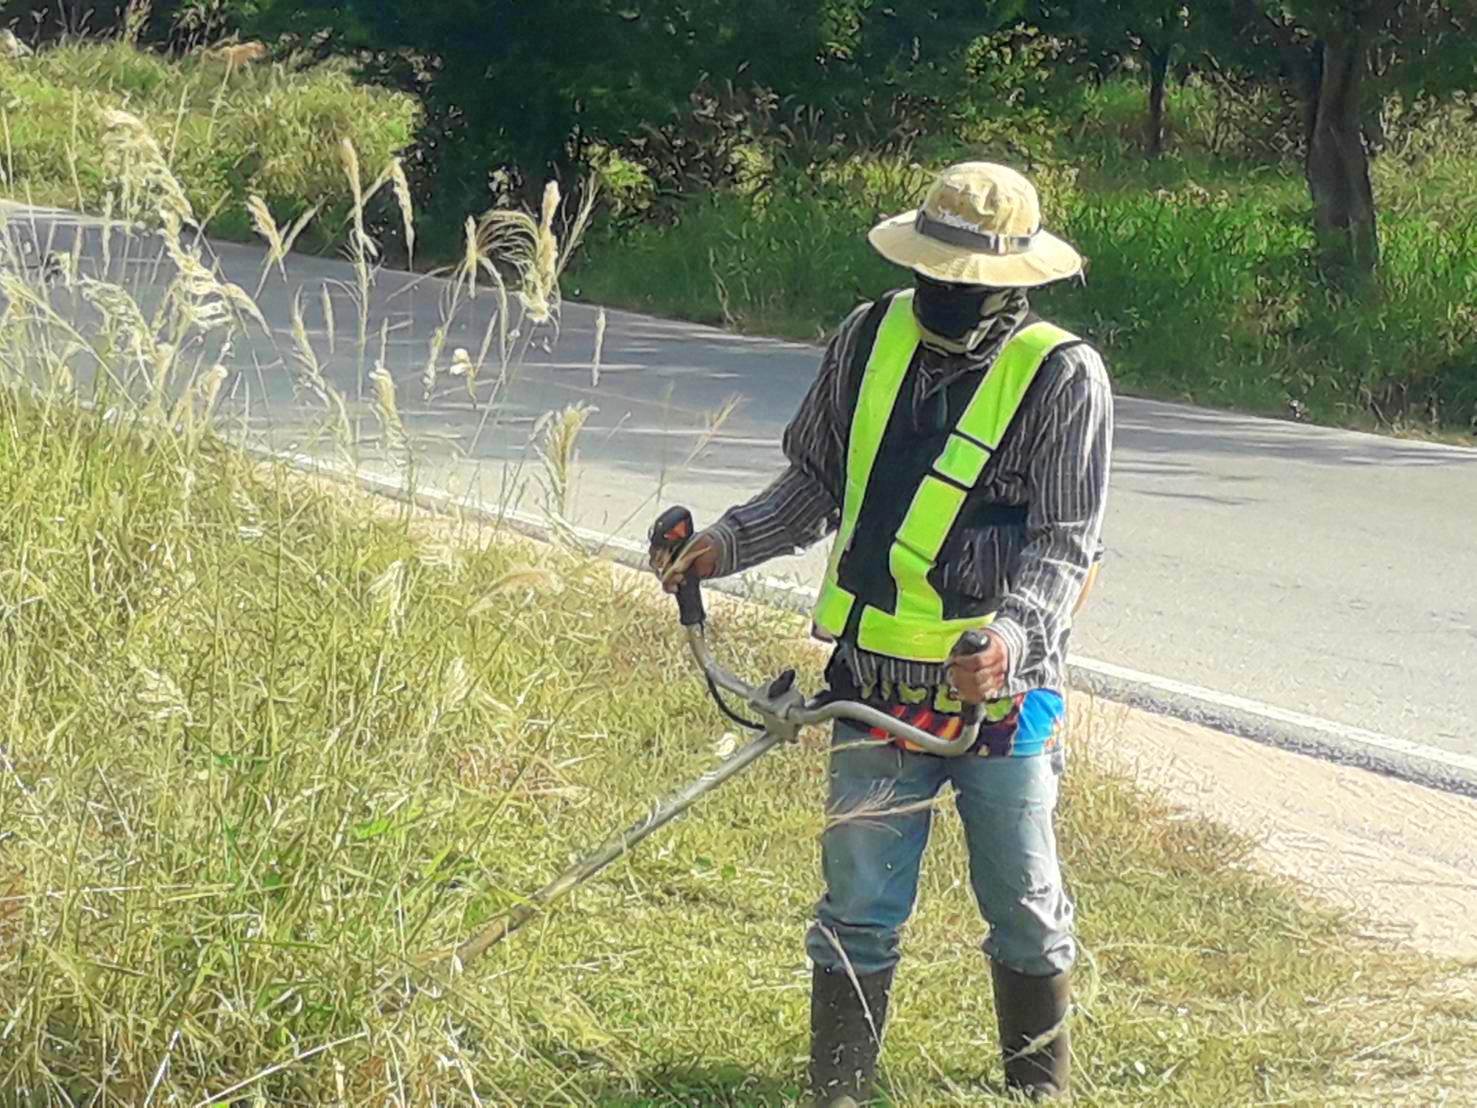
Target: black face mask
{"x": 947, "y": 310}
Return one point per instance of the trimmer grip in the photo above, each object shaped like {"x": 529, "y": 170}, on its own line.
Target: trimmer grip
{"x": 690, "y": 602}
{"x": 672, "y": 531}
{"x": 971, "y": 642}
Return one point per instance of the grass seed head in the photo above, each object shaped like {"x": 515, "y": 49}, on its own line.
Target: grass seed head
{"x": 558, "y": 450}
{"x": 133, "y": 158}
{"x": 266, "y": 227}
{"x": 387, "y": 409}
{"x": 401, "y": 186}
{"x": 387, "y": 595}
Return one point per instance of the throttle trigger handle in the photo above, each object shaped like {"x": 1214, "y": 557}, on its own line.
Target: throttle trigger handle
{"x": 971, "y": 642}
{"x": 671, "y": 531}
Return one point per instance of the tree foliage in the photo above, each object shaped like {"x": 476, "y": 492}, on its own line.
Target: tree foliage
{"x": 1108, "y": 32}
{"x": 528, "y": 85}
{"x": 178, "y": 24}
{"x": 533, "y": 84}
{"x": 1344, "y": 60}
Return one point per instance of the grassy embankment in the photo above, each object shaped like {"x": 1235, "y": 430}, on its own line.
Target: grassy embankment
{"x": 264, "y": 745}
{"x": 227, "y": 133}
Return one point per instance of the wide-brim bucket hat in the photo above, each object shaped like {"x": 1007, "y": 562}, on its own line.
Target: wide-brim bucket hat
{"x": 979, "y": 224}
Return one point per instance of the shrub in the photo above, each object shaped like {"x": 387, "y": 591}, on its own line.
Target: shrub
{"x": 228, "y": 132}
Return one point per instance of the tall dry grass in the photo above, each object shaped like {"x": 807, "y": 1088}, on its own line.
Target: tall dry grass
{"x": 267, "y": 743}
{"x": 127, "y": 356}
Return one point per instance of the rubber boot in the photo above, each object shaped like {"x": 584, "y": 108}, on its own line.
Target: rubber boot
{"x": 844, "y": 1043}
{"x": 1029, "y": 1008}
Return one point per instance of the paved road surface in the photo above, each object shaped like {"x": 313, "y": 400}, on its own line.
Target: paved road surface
{"x": 1322, "y": 572}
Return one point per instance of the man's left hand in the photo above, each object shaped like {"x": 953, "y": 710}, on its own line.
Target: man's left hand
{"x": 980, "y": 677}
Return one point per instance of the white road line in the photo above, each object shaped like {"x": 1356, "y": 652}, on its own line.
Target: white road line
{"x": 796, "y": 596}
{"x": 1358, "y": 736}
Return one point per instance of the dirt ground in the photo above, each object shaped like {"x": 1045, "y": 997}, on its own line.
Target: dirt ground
{"x": 1401, "y": 857}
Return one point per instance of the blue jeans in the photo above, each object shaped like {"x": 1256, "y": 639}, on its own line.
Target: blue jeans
{"x": 879, "y": 814}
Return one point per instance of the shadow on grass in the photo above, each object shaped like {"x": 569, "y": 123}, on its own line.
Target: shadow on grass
{"x": 707, "y": 1085}
{"x": 715, "y": 1085}
{"x": 699, "y": 1081}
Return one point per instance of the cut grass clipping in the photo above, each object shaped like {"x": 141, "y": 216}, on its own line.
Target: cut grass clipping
{"x": 264, "y": 745}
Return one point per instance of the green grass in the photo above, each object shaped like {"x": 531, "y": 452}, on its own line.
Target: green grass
{"x": 1199, "y": 283}
{"x": 264, "y": 744}
{"x": 265, "y": 129}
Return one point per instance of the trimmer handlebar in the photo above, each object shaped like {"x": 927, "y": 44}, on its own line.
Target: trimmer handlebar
{"x": 782, "y": 709}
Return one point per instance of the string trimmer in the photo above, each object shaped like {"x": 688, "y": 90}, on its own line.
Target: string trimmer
{"x": 781, "y": 711}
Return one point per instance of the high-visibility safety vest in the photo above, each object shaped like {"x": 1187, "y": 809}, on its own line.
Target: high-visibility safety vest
{"x": 897, "y": 517}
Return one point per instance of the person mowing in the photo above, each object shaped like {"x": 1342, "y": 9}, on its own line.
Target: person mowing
{"x": 959, "y": 447}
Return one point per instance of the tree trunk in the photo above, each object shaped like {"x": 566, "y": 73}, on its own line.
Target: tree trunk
{"x": 1158, "y": 77}
{"x": 1338, "y": 164}
{"x": 1306, "y": 68}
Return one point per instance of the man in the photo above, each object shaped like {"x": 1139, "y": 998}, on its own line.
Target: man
{"x": 960, "y": 448}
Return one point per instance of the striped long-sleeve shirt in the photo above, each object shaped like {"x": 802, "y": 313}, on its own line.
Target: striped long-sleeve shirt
{"x": 1055, "y": 461}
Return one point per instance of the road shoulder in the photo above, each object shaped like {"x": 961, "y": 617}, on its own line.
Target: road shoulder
{"x": 1399, "y": 857}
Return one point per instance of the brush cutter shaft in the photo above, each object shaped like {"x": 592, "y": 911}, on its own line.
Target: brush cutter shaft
{"x": 662, "y": 813}
{"x": 782, "y": 709}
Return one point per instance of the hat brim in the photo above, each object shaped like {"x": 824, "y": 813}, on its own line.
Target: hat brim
{"x": 1048, "y": 259}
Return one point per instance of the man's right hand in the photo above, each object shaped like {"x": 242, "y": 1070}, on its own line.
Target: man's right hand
{"x": 979, "y": 677}
{"x": 698, "y": 558}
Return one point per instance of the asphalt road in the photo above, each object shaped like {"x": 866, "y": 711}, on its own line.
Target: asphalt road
{"x": 1319, "y": 572}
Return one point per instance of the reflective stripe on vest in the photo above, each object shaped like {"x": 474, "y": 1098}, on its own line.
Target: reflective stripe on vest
{"x": 916, "y": 629}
